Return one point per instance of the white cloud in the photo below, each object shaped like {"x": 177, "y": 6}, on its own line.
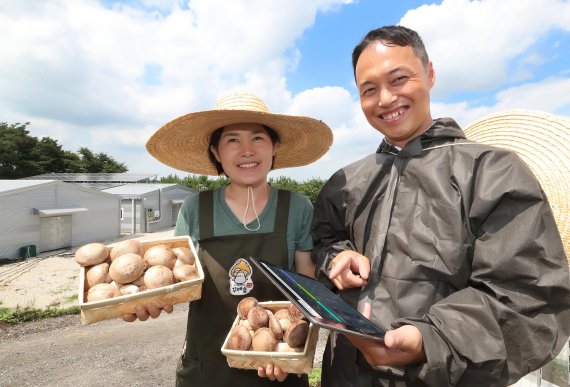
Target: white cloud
{"x": 76, "y": 70}
{"x": 474, "y": 43}
{"x": 550, "y": 95}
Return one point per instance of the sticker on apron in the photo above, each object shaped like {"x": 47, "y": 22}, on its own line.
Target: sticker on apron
{"x": 240, "y": 278}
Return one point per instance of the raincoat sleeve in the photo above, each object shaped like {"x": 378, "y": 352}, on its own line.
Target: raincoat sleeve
{"x": 514, "y": 315}
{"x": 328, "y": 230}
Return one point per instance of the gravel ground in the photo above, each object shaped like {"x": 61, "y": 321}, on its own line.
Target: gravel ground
{"x": 61, "y": 352}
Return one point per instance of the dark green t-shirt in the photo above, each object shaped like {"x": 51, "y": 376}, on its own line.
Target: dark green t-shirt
{"x": 226, "y": 223}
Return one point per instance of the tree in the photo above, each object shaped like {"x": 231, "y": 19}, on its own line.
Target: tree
{"x": 99, "y": 163}
{"x": 16, "y": 146}
{"x": 22, "y": 155}
{"x": 309, "y": 188}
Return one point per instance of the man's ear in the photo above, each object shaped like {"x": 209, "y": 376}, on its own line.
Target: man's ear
{"x": 431, "y": 74}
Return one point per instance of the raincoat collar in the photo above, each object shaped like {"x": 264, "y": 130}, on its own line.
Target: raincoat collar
{"x": 442, "y": 130}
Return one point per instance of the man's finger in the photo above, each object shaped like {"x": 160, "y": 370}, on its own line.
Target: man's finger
{"x": 367, "y": 310}
{"x": 363, "y": 267}
{"x": 336, "y": 283}
{"x": 339, "y": 266}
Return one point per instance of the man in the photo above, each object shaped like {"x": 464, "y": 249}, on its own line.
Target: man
{"x": 447, "y": 244}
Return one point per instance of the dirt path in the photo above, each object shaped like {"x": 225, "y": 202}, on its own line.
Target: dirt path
{"x": 103, "y": 354}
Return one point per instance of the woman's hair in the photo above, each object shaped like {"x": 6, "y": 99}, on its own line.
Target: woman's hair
{"x": 215, "y": 141}
{"x": 392, "y": 36}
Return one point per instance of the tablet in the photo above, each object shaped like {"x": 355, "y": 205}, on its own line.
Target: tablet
{"x": 319, "y": 304}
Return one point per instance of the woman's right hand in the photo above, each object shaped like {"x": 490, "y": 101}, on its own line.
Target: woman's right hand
{"x": 143, "y": 312}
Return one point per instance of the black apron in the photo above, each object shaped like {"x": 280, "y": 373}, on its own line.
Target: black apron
{"x": 210, "y": 318}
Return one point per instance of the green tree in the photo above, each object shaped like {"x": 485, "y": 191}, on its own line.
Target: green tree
{"x": 22, "y": 155}
{"x": 99, "y": 162}
{"x": 309, "y": 188}
{"x": 16, "y": 146}
{"x": 48, "y": 156}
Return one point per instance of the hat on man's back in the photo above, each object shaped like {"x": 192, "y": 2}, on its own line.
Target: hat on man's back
{"x": 183, "y": 142}
{"x": 542, "y": 140}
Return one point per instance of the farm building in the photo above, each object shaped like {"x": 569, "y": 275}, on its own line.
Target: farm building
{"x": 44, "y": 215}
{"x": 149, "y": 207}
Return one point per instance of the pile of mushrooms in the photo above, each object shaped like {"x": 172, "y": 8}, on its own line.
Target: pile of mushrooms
{"x": 261, "y": 329}
{"x": 127, "y": 268}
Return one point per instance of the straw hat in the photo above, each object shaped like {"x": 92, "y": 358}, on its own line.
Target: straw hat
{"x": 542, "y": 140}
{"x": 183, "y": 143}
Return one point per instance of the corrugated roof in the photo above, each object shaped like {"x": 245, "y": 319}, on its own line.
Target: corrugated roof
{"x": 11, "y": 185}
{"x": 94, "y": 177}
{"x": 139, "y": 189}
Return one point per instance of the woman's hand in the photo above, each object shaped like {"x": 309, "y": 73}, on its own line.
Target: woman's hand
{"x": 143, "y": 312}
{"x": 272, "y": 372}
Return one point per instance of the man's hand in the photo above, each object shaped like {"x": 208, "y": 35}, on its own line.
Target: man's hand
{"x": 143, "y": 312}
{"x": 272, "y": 372}
{"x": 349, "y": 270}
{"x": 401, "y": 346}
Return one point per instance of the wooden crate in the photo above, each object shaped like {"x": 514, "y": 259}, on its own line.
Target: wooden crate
{"x": 173, "y": 294}
{"x": 291, "y": 362}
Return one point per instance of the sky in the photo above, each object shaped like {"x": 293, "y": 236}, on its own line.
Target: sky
{"x": 107, "y": 74}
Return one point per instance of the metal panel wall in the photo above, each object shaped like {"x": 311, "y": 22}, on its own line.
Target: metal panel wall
{"x": 167, "y": 212}
{"x": 20, "y": 227}
{"x": 100, "y": 223}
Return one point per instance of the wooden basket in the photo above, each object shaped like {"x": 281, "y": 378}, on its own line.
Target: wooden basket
{"x": 291, "y": 362}
{"x": 173, "y": 294}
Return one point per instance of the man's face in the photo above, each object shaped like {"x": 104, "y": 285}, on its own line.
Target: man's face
{"x": 394, "y": 89}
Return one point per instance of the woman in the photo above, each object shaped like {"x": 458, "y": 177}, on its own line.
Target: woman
{"x": 241, "y": 139}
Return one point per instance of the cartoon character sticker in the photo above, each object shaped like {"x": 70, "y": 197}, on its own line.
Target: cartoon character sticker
{"x": 240, "y": 278}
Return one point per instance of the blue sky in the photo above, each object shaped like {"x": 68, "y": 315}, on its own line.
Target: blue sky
{"x": 107, "y": 74}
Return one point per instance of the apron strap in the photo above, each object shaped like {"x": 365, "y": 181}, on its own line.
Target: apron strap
{"x": 282, "y": 214}
{"x": 206, "y": 214}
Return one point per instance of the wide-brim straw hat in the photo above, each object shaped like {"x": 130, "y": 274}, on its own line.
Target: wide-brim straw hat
{"x": 183, "y": 142}
{"x": 542, "y": 140}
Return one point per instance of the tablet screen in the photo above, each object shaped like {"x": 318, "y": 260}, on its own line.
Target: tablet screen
{"x": 318, "y": 303}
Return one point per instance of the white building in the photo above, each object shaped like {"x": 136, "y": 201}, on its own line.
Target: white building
{"x": 149, "y": 207}
{"x": 44, "y": 215}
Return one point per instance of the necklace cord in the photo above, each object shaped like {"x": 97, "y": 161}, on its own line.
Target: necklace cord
{"x": 254, "y": 211}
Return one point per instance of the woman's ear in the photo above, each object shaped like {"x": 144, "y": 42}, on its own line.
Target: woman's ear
{"x": 215, "y": 153}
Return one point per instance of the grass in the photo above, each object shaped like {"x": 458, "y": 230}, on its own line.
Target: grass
{"x": 19, "y": 315}
{"x": 315, "y": 377}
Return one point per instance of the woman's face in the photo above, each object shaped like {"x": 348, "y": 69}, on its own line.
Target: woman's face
{"x": 246, "y": 153}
